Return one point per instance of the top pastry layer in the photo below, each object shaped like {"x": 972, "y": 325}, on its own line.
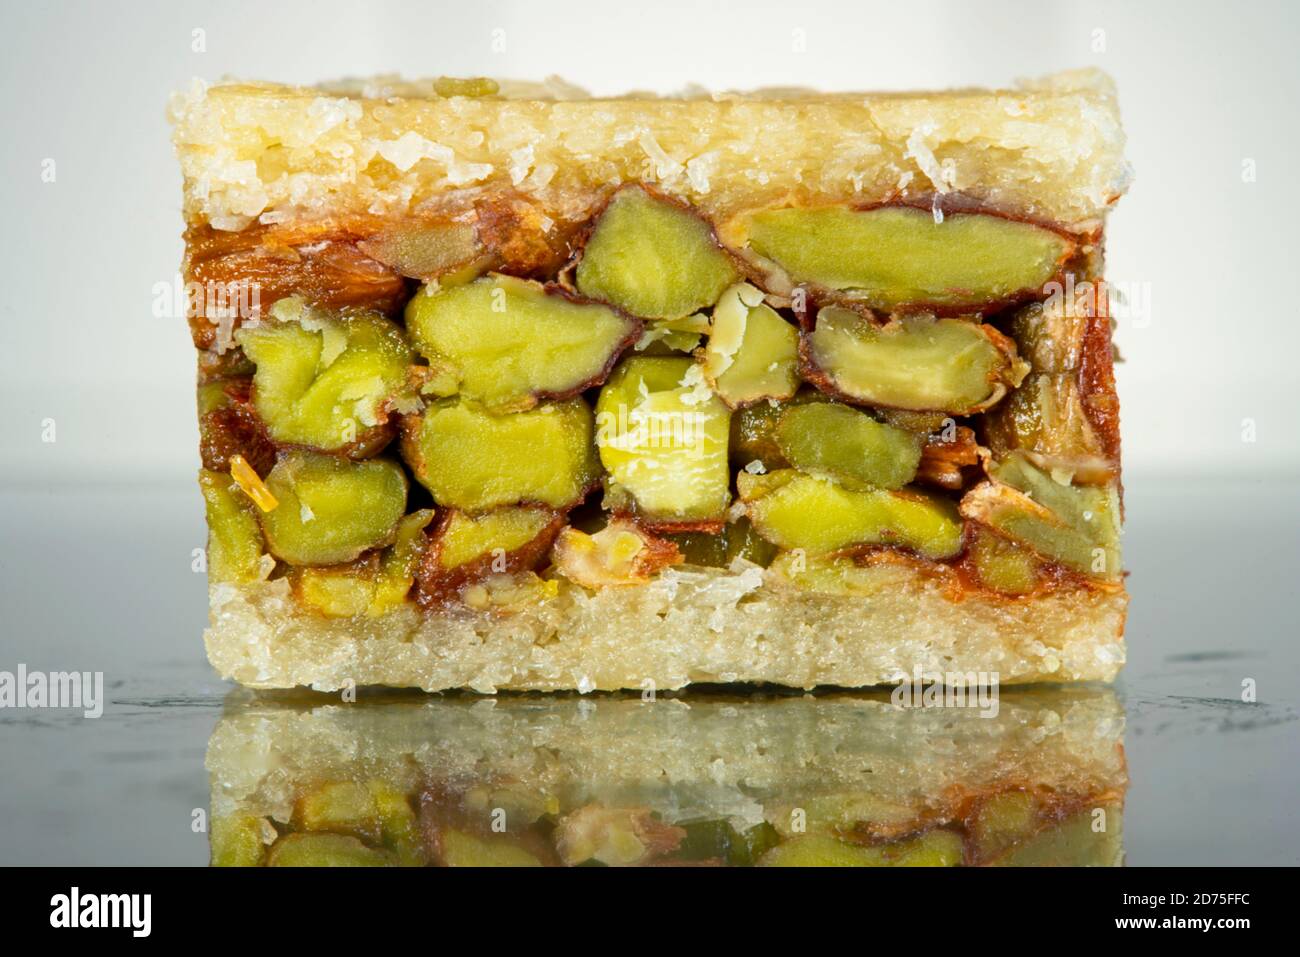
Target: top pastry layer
{"x": 1049, "y": 150}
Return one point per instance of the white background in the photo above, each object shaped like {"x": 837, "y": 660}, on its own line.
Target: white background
{"x": 1203, "y": 88}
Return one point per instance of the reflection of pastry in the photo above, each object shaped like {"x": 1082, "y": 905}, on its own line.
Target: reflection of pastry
{"x": 513, "y": 388}
{"x": 840, "y": 779}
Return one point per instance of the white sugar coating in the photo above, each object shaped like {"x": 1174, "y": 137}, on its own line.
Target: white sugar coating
{"x": 688, "y": 625}
{"x": 1050, "y": 149}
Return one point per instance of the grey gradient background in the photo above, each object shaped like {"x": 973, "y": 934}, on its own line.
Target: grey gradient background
{"x": 97, "y": 528}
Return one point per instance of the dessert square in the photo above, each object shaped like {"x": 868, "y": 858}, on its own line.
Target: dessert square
{"x": 505, "y": 387}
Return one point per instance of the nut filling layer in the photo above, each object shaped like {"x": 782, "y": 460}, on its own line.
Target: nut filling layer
{"x": 491, "y": 400}
{"x": 526, "y": 409}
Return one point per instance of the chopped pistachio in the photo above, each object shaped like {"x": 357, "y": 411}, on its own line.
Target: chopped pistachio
{"x": 914, "y": 362}
{"x": 472, "y": 459}
{"x": 331, "y": 510}
{"x": 793, "y": 510}
{"x": 892, "y": 256}
{"x": 653, "y": 258}
{"x": 663, "y": 440}
{"x": 235, "y": 543}
{"x": 849, "y": 446}
{"x": 325, "y": 380}
{"x": 752, "y": 353}
{"x": 513, "y": 342}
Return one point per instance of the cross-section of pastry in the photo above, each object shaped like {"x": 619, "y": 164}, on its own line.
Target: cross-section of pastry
{"x": 506, "y": 387}
{"x": 842, "y": 780}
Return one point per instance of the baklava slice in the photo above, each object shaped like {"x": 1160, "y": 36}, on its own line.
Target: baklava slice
{"x": 506, "y": 387}
{"x": 846, "y": 780}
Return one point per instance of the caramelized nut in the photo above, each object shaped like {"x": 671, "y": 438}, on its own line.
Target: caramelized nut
{"x": 235, "y": 542}
{"x": 1074, "y": 525}
{"x": 621, "y": 553}
{"x": 467, "y": 547}
{"x": 1045, "y": 419}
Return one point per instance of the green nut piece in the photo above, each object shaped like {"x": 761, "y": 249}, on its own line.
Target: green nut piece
{"x": 841, "y": 575}
{"x": 793, "y": 510}
{"x": 467, "y": 538}
{"x": 894, "y": 256}
{"x": 1002, "y": 565}
{"x": 1001, "y": 821}
{"x": 935, "y": 848}
{"x": 326, "y": 380}
{"x": 331, "y": 510}
{"x": 653, "y": 258}
{"x": 1045, "y": 418}
{"x": 472, "y": 459}
{"x": 922, "y": 423}
{"x": 468, "y": 548}
{"x": 1051, "y": 334}
{"x": 326, "y": 850}
{"x": 912, "y": 362}
{"x": 513, "y": 342}
{"x": 337, "y": 591}
{"x": 1084, "y": 840}
{"x": 752, "y": 353}
{"x": 238, "y": 840}
{"x": 840, "y": 443}
{"x": 718, "y": 840}
{"x": 373, "y": 585}
{"x": 398, "y": 826}
{"x": 465, "y": 850}
{"x": 1077, "y": 526}
{"x": 373, "y": 811}
{"x": 738, "y": 539}
{"x": 668, "y": 336}
{"x": 398, "y": 564}
{"x": 345, "y": 807}
{"x": 844, "y": 813}
{"x": 753, "y": 430}
{"x": 235, "y": 543}
{"x": 662, "y": 436}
